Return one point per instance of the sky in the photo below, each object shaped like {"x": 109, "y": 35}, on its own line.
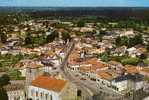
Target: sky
{"x": 76, "y": 3}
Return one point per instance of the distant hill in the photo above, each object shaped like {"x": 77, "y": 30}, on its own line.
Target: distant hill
{"x": 141, "y": 13}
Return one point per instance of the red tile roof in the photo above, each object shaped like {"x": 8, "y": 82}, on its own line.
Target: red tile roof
{"x": 104, "y": 75}
{"x": 131, "y": 69}
{"x": 49, "y": 83}
{"x": 95, "y": 62}
{"x": 145, "y": 70}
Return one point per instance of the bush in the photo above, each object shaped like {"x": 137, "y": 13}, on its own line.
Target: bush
{"x": 15, "y": 74}
{"x": 81, "y": 24}
{"x": 131, "y": 61}
{"x": 4, "y": 80}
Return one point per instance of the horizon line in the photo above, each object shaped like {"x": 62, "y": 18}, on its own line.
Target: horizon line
{"x": 82, "y": 6}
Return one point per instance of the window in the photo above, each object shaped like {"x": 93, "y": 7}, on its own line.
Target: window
{"x": 18, "y": 98}
{"x": 36, "y": 94}
{"x": 32, "y": 92}
{"x": 30, "y": 71}
{"x": 46, "y": 96}
{"x": 41, "y": 95}
{"x": 50, "y": 97}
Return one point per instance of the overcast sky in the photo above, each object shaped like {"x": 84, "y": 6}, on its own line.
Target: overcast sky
{"x": 65, "y": 3}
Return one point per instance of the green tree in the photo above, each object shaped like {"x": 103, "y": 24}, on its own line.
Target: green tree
{"x": 143, "y": 56}
{"x": 81, "y": 23}
{"x": 14, "y": 74}
{"x": 3, "y": 94}
{"x": 79, "y": 34}
{"x": 4, "y": 80}
{"x": 104, "y": 57}
{"x": 139, "y": 39}
{"x": 3, "y": 37}
{"x": 99, "y": 37}
{"x": 51, "y": 37}
{"x": 147, "y": 47}
{"x": 120, "y": 41}
{"x": 131, "y": 61}
{"x": 102, "y": 32}
{"x": 28, "y": 39}
{"x": 66, "y": 36}
{"x": 1, "y": 64}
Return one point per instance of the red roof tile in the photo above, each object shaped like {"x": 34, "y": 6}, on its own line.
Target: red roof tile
{"x": 49, "y": 83}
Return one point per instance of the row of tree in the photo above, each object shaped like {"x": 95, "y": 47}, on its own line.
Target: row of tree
{"x": 3, "y": 37}
{"x": 129, "y": 41}
{"x": 40, "y": 40}
{"x": 4, "y": 80}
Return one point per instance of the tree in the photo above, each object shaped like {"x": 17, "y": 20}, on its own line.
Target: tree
{"x": 66, "y": 36}
{"x": 28, "y": 39}
{"x": 4, "y": 80}
{"x": 79, "y": 34}
{"x": 99, "y": 37}
{"x": 3, "y": 94}
{"x": 104, "y": 57}
{"x": 138, "y": 39}
{"x": 120, "y": 41}
{"x": 1, "y": 64}
{"x": 3, "y": 37}
{"x": 131, "y": 61}
{"x": 102, "y": 32}
{"x": 51, "y": 37}
{"x": 143, "y": 56}
{"x": 147, "y": 47}
{"x": 15, "y": 74}
{"x": 81, "y": 23}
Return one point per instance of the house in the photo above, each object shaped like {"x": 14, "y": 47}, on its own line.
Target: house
{"x": 124, "y": 32}
{"x": 88, "y": 71}
{"x": 89, "y": 67}
{"x": 86, "y": 29}
{"x": 141, "y": 51}
{"x": 96, "y": 62}
{"x": 48, "y": 65}
{"x": 4, "y": 50}
{"x": 67, "y": 23}
{"x": 131, "y": 51}
{"x": 73, "y": 61}
{"x": 130, "y": 69}
{"x": 104, "y": 77}
{"x": 105, "y": 44}
{"x": 121, "y": 50}
{"x": 147, "y": 98}
{"x": 97, "y": 50}
{"x": 50, "y": 88}
{"x": 145, "y": 71}
{"x": 128, "y": 82}
{"x": 90, "y": 25}
{"x": 25, "y": 66}
{"x": 127, "y": 33}
{"x": 114, "y": 64}
{"x": 15, "y": 91}
{"x": 117, "y": 66}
